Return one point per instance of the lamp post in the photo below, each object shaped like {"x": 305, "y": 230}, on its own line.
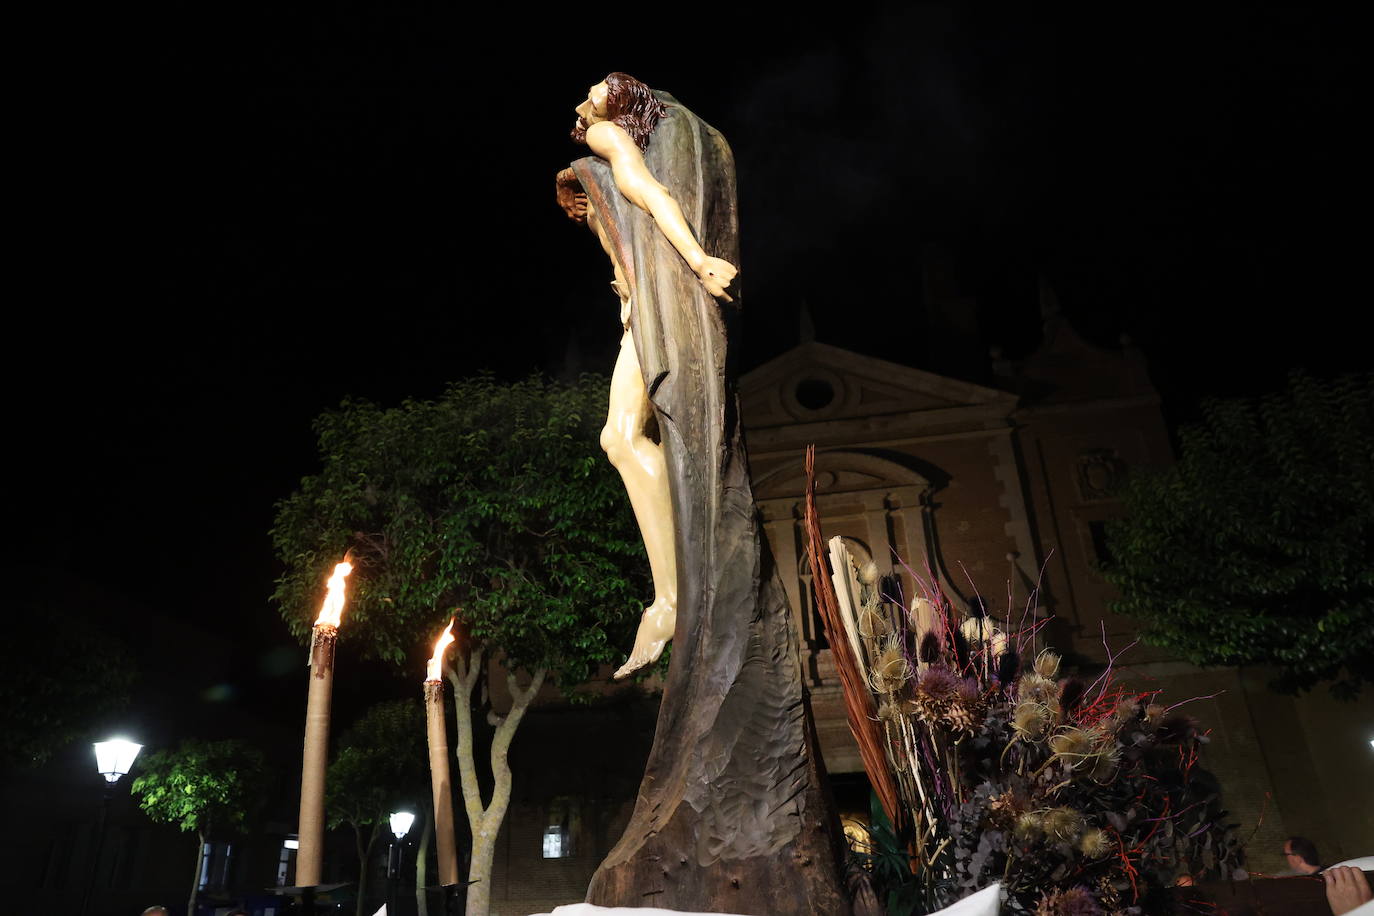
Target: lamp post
{"x": 113, "y": 760}
{"x": 400, "y": 826}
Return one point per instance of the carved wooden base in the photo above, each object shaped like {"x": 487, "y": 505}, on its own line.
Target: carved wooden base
{"x": 802, "y": 878}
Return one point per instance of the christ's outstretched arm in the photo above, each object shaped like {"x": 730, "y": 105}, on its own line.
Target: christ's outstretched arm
{"x": 610, "y": 141}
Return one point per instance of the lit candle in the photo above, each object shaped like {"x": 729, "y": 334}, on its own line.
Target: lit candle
{"x": 447, "y": 853}
{"x": 315, "y": 758}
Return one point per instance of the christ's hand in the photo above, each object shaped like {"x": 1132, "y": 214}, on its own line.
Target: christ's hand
{"x": 716, "y": 275}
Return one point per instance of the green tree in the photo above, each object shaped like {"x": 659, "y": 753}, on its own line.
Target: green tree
{"x": 1257, "y": 547}
{"x": 380, "y": 766}
{"x": 201, "y": 786}
{"x": 62, "y": 679}
{"x": 494, "y": 502}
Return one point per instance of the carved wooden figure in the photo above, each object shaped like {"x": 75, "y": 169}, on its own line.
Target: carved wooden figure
{"x": 733, "y": 814}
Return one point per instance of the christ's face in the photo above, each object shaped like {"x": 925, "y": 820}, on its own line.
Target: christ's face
{"x": 593, "y": 110}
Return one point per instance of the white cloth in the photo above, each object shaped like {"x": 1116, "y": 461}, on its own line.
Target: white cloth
{"x": 1363, "y": 863}
{"x": 983, "y": 903}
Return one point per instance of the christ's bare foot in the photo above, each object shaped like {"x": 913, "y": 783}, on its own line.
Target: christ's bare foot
{"x": 655, "y": 629}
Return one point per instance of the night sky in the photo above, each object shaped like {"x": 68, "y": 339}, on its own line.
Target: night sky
{"x": 234, "y": 219}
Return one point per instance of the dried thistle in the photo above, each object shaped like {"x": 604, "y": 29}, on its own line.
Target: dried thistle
{"x": 888, "y": 711}
{"x": 1063, "y": 823}
{"x": 1028, "y": 825}
{"x": 1109, "y": 896}
{"x": 1047, "y": 664}
{"x": 891, "y": 669}
{"x": 1030, "y": 720}
{"x": 937, "y": 682}
{"x": 1126, "y": 712}
{"x": 872, "y": 625}
{"x": 1154, "y": 715}
{"x": 966, "y": 708}
{"x": 1074, "y": 745}
{"x": 934, "y": 689}
{"x": 968, "y": 690}
{"x": 1038, "y": 689}
{"x": 1105, "y": 764}
{"x": 1094, "y": 843}
{"x": 868, "y": 573}
{"x": 1006, "y": 809}
{"x": 960, "y": 719}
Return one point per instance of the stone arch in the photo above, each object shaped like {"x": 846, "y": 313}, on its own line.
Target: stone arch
{"x": 884, "y": 504}
{"x": 841, "y": 470}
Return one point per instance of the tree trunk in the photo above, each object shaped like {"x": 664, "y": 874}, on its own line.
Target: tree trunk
{"x": 364, "y": 857}
{"x": 485, "y": 823}
{"x": 422, "y": 863}
{"x": 362, "y": 867}
{"x": 195, "y": 880}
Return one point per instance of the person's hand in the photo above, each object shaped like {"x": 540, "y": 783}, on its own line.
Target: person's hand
{"x": 571, "y": 197}
{"x": 1346, "y": 888}
{"x": 715, "y": 275}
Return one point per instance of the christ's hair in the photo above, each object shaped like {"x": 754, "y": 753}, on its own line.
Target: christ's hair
{"x": 631, "y": 105}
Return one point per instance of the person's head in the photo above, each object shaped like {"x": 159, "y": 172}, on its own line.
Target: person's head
{"x": 157, "y": 911}
{"x": 1301, "y": 853}
{"x": 624, "y": 100}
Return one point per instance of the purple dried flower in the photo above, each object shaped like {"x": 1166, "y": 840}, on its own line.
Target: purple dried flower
{"x": 1073, "y": 901}
{"x": 937, "y": 681}
{"x": 968, "y": 691}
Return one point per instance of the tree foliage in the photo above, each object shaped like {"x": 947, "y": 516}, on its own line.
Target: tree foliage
{"x": 201, "y": 785}
{"x": 1257, "y": 547}
{"x": 380, "y": 765}
{"x": 63, "y": 680}
{"x": 495, "y": 499}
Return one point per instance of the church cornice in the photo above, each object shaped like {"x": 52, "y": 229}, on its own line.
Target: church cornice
{"x": 869, "y": 433}
{"x": 813, "y": 354}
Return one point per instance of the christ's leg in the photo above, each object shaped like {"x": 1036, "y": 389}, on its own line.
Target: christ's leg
{"x": 641, "y": 465}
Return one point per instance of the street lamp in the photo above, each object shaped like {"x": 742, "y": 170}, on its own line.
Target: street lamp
{"x": 113, "y": 760}
{"x": 400, "y": 825}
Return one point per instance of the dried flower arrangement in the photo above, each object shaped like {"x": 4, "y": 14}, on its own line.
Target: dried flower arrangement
{"x": 1081, "y": 798}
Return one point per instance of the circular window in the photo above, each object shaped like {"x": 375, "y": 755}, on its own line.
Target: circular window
{"x": 814, "y": 393}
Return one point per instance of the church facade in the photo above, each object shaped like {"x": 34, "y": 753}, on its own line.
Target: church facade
{"x": 998, "y": 494}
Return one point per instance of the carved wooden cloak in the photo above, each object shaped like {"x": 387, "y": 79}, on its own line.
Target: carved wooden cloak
{"x": 733, "y": 814}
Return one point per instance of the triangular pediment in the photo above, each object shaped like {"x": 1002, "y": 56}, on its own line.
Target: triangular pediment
{"x": 816, "y": 382}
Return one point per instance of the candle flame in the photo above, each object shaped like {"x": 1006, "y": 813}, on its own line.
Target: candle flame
{"x": 436, "y": 661}
{"x": 332, "y": 609}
